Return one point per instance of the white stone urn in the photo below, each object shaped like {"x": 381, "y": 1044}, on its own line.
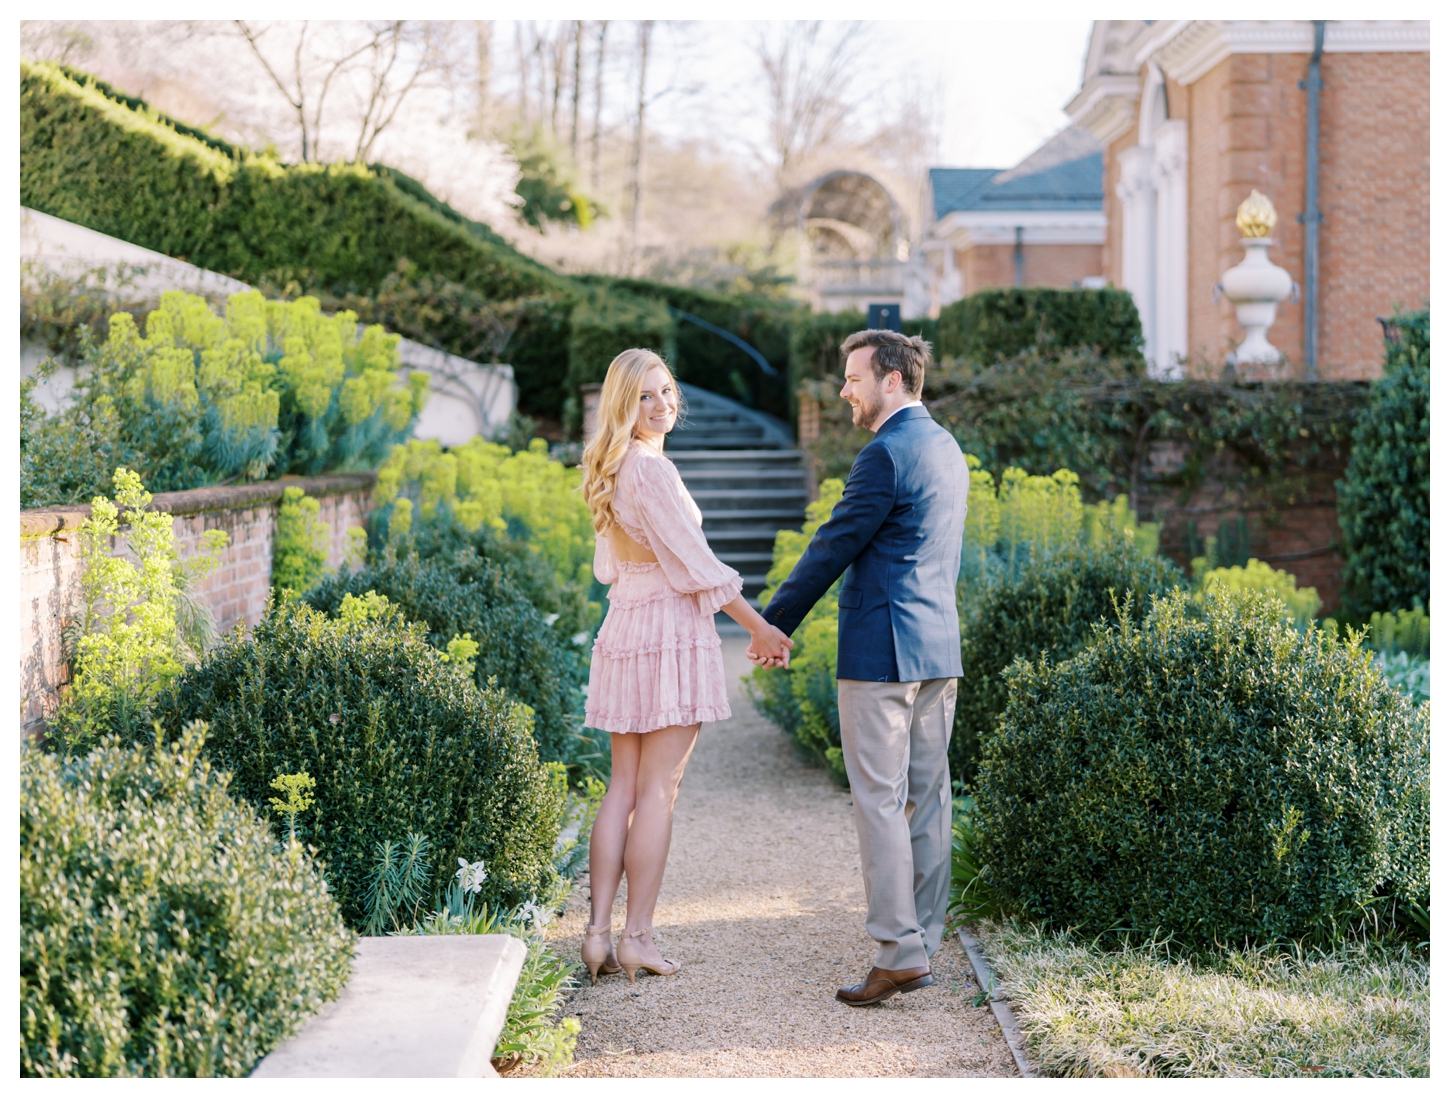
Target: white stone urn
{"x": 1256, "y": 286}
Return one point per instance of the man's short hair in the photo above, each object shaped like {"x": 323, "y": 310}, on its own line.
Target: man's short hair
{"x": 909, "y": 355}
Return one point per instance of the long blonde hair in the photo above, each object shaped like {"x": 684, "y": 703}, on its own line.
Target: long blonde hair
{"x": 618, "y": 414}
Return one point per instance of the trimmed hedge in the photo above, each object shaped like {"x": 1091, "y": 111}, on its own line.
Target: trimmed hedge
{"x": 1047, "y": 609}
{"x": 129, "y": 172}
{"x": 397, "y": 740}
{"x": 163, "y": 930}
{"x": 995, "y": 324}
{"x": 1384, "y": 498}
{"x": 1211, "y": 774}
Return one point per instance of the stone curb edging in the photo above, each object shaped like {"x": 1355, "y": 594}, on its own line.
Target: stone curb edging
{"x": 50, "y": 521}
{"x": 987, "y": 981}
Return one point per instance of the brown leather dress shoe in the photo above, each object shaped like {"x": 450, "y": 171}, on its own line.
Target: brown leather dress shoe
{"x": 882, "y": 983}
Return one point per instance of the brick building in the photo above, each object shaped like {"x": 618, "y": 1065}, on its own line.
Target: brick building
{"x": 1038, "y": 224}
{"x": 1194, "y": 114}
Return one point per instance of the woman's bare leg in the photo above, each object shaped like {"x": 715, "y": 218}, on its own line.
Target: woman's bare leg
{"x": 660, "y": 767}
{"x": 611, "y": 827}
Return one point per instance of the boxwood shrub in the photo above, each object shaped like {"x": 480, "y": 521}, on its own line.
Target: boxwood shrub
{"x": 466, "y": 592}
{"x": 1045, "y": 608}
{"x": 996, "y": 324}
{"x": 163, "y": 929}
{"x": 1212, "y": 774}
{"x": 397, "y": 740}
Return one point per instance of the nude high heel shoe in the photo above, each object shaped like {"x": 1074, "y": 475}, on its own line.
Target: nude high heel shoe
{"x": 597, "y": 955}
{"x": 629, "y": 957}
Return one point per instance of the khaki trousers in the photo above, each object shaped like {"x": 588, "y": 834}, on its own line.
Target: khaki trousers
{"x": 894, "y": 739}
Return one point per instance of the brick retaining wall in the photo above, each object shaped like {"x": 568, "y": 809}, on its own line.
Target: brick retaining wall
{"x": 236, "y": 591}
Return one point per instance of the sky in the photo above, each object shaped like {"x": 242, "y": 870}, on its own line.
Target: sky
{"x": 1002, "y": 84}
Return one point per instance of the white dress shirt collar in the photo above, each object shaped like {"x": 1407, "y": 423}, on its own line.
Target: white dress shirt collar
{"x": 908, "y": 404}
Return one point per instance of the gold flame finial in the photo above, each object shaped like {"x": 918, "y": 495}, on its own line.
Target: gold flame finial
{"x": 1256, "y": 216}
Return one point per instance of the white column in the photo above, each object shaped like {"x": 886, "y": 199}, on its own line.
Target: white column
{"x": 1135, "y": 191}
{"x": 1170, "y": 184}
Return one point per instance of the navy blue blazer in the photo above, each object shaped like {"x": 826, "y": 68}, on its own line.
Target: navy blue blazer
{"x": 897, "y": 536}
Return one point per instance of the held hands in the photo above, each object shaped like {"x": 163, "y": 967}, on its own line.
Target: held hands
{"x": 769, "y": 647}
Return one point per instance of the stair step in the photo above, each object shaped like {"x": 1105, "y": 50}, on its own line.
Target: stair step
{"x": 771, "y": 456}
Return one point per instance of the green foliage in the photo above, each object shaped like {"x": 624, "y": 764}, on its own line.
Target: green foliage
{"x": 270, "y": 388}
{"x": 470, "y": 593}
{"x": 971, "y": 897}
{"x": 996, "y": 324}
{"x": 548, "y": 189}
{"x": 300, "y": 543}
{"x": 1043, "y": 609}
{"x": 130, "y": 632}
{"x": 163, "y": 930}
{"x": 397, "y": 739}
{"x": 802, "y": 700}
{"x": 1401, "y": 631}
{"x": 1384, "y": 498}
{"x": 1211, "y": 774}
{"x": 55, "y": 306}
{"x": 402, "y": 873}
{"x": 603, "y": 324}
{"x": 1301, "y": 603}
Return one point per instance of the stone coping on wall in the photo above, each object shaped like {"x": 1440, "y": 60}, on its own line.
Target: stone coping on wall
{"x": 49, "y": 521}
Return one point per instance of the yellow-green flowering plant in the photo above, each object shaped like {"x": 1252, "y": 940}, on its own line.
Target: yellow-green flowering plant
{"x": 193, "y": 397}
{"x": 127, "y": 640}
{"x": 526, "y": 495}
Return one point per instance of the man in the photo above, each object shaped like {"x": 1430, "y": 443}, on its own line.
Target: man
{"x": 897, "y": 536}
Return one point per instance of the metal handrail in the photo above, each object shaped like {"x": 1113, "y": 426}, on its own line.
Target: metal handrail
{"x": 759, "y": 358}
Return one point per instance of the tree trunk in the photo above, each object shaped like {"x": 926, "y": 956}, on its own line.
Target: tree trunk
{"x": 484, "y": 31}
{"x": 598, "y": 104}
{"x": 646, "y": 27}
{"x": 574, "y": 114}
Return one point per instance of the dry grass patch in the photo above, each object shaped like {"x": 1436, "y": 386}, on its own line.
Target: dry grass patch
{"x": 1087, "y": 1010}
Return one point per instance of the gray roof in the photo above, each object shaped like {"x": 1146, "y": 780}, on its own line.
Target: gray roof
{"x": 1064, "y": 174}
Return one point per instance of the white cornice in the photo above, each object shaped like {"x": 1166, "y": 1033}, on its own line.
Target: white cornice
{"x": 1195, "y": 47}
{"x": 1377, "y": 36}
{"x": 965, "y": 229}
{"x": 1156, "y": 36}
{"x": 1105, "y": 106}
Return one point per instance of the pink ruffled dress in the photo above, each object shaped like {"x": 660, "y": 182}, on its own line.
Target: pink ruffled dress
{"x": 656, "y": 660}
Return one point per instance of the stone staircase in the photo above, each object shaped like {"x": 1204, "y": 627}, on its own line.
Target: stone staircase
{"x": 744, "y": 471}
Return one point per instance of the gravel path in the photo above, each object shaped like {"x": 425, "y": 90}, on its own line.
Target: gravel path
{"x": 763, "y": 905}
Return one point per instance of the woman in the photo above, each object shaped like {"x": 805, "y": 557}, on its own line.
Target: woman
{"x": 656, "y": 672}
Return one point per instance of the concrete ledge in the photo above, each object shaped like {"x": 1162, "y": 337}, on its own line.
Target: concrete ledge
{"x": 418, "y": 1007}
{"x": 229, "y": 497}
{"x": 1001, "y": 1010}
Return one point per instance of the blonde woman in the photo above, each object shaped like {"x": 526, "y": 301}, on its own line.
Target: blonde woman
{"x": 656, "y": 672}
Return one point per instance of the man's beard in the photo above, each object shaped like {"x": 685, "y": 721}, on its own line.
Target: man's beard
{"x": 865, "y": 411}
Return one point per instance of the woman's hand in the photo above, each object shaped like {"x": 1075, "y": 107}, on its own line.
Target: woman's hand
{"x": 769, "y": 647}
